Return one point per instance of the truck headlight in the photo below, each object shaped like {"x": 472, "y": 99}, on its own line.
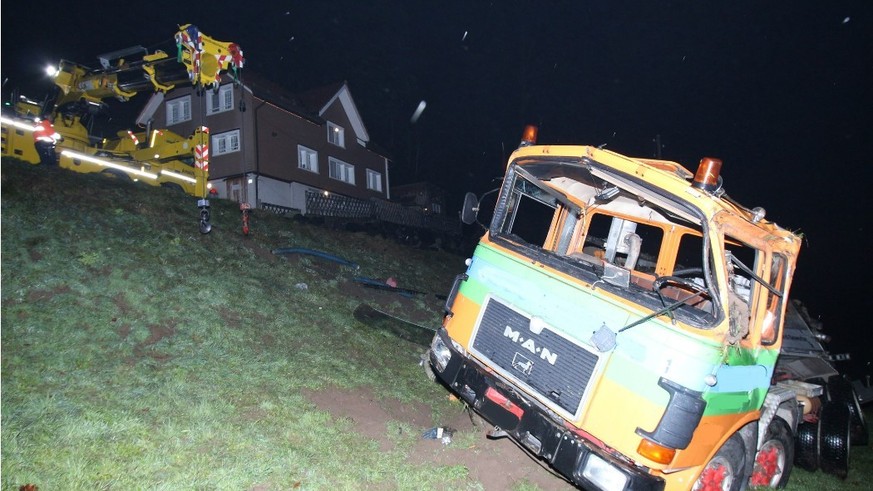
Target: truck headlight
{"x": 440, "y": 354}
{"x": 603, "y": 474}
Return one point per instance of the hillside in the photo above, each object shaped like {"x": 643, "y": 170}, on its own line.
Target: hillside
{"x": 139, "y": 354}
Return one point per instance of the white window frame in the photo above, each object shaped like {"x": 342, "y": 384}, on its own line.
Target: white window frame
{"x": 223, "y": 98}
{"x": 179, "y": 110}
{"x": 341, "y": 171}
{"x": 307, "y": 159}
{"x": 336, "y": 135}
{"x": 224, "y": 143}
{"x": 374, "y": 180}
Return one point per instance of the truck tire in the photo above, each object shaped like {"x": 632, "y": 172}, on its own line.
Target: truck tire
{"x": 840, "y": 389}
{"x": 836, "y": 438}
{"x": 775, "y": 459}
{"x": 725, "y": 470}
{"x": 806, "y": 446}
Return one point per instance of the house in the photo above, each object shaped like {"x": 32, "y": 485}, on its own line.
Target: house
{"x": 269, "y": 148}
{"x": 425, "y": 196}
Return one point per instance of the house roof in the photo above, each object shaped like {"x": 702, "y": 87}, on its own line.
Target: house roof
{"x": 276, "y": 94}
{"x": 323, "y": 97}
{"x": 312, "y": 103}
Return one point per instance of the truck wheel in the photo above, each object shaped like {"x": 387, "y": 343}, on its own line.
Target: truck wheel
{"x": 774, "y": 460}
{"x": 840, "y": 390}
{"x": 806, "y": 446}
{"x": 724, "y": 471}
{"x": 836, "y": 438}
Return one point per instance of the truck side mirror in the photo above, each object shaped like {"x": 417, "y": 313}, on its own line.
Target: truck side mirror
{"x": 470, "y": 209}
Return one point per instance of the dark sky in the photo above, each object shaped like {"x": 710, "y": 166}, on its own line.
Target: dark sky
{"x": 781, "y": 91}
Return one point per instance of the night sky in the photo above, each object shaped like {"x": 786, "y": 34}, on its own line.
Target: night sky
{"x": 781, "y": 91}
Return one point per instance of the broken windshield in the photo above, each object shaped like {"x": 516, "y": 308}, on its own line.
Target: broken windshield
{"x": 611, "y": 232}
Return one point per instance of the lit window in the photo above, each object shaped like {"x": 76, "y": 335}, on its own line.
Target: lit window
{"x": 179, "y": 110}
{"x": 336, "y": 135}
{"x": 342, "y": 171}
{"x": 227, "y": 142}
{"x": 220, "y": 101}
{"x": 374, "y": 180}
{"x": 307, "y": 159}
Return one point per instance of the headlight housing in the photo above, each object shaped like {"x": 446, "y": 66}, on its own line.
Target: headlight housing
{"x": 604, "y": 475}
{"x": 440, "y": 354}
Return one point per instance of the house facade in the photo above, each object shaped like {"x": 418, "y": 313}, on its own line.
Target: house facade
{"x": 269, "y": 148}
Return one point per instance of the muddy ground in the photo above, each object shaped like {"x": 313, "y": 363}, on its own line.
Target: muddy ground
{"x": 497, "y": 464}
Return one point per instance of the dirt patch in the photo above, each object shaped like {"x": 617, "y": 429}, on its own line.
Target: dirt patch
{"x": 157, "y": 333}
{"x": 121, "y": 303}
{"x": 261, "y": 252}
{"x": 369, "y": 415}
{"x": 44, "y": 295}
{"x": 32, "y": 245}
{"x": 146, "y": 347}
{"x": 497, "y": 464}
{"x": 123, "y": 331}
{"x": 231, "y": 318}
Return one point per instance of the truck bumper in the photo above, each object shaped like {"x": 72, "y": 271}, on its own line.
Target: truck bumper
{"x": 534, "y": 426}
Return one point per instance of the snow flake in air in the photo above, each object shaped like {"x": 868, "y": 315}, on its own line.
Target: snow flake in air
{"x": 418, "y": 111}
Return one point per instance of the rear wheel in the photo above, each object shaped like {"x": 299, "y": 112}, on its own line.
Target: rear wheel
{"x": 836, "y": 439}
{"x": 807, "y": 446}
{"x": 725, "y": 471}
{"x": 774, "y": 460}
{"x": 840, "y": 390}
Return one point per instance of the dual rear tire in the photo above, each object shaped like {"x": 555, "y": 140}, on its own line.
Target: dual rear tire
{"x": 825, "y": 444}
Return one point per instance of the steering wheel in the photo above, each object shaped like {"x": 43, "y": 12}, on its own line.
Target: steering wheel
{"x": 682, "y": 282}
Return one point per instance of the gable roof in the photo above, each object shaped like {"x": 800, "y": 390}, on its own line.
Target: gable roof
{"x": 311, "y": 104}
{"x": 276, "y": 94}
{"x": 323, "y": 97}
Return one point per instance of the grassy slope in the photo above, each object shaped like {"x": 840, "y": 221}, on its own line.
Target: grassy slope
{"x": 139, "y": 354}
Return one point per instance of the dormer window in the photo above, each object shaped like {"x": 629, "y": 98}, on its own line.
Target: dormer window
{"x": 336, "y": 135}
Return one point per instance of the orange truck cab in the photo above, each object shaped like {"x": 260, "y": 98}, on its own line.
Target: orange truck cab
{"x": 621, "y": 318}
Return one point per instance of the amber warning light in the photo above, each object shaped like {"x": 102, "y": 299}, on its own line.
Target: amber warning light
{"x": 707, "y": 175}
{"x": 529, "y": 137}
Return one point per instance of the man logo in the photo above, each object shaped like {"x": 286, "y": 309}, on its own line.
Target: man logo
{"x": 530, "y": 345}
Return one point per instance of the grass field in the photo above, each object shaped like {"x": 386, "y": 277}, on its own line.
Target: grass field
{"x": 139, "y": 354}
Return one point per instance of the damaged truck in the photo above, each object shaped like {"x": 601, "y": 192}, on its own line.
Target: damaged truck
{"x": 623, "y": 319}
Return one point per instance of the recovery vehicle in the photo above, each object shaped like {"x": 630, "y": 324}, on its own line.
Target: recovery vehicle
{"x": 157, "y": 157}
{"x": 622, "y": 319}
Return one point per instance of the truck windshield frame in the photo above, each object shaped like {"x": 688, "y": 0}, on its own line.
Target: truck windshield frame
{"x": 546, "y": 208}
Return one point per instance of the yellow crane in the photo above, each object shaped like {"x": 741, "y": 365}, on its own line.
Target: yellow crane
{"x": 157, "y": 157}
